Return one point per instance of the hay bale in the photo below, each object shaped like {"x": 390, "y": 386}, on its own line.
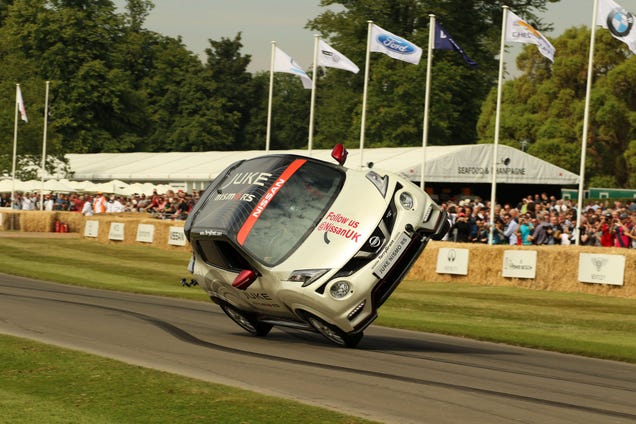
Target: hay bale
{"x": 556, "y": 270}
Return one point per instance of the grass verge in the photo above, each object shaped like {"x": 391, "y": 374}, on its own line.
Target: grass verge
{"x": 38, "y": 386}
{"x": 597, "y": 326}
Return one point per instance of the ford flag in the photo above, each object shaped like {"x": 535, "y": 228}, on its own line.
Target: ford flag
{"x": 396, "y": 47}
{"x": 443, "y": 41}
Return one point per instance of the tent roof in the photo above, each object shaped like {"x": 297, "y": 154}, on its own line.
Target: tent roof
{"x": 460, "y": 163}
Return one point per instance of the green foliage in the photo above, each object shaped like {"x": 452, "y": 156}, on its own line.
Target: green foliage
{"x": 545, "y": 106}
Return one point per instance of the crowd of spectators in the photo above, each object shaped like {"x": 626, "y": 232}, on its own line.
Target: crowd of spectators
{"x": 170, "y": 205}
{"x": 535, "y": 220}
{"x": 543, "y": 220}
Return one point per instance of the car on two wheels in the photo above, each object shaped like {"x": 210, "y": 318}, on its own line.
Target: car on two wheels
{"x": 288, "y": 240}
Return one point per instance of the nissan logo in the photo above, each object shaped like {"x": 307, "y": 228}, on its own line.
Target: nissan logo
{"x": 375, "y": 241}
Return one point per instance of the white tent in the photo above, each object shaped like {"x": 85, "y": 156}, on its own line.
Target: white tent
{"x": 451, "y": 164}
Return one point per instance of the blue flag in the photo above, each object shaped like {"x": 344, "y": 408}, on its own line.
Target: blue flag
{"x": 443, "y": 41}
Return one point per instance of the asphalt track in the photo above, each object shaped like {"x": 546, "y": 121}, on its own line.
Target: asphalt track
{"x": 394, "y": 376}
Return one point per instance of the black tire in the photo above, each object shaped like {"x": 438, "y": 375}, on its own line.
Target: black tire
{"x": 245, "y": 321}
{"x": 334, "y": 334}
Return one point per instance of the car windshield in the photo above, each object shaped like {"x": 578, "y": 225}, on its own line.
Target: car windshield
{"x": 289, "y": 210}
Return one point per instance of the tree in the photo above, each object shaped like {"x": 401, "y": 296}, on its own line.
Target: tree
{"x": 545, "y": 106}
{"x": 396, "y": 97}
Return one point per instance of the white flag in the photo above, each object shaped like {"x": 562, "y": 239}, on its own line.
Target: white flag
{"x": 520, "y": 31}
{"x": 396, "y": 47}
{"x": 618, "y": 21}
{"x": 332, "y": 58}
{"x": 284, "y": 63}
{"x": 20, "y": 104}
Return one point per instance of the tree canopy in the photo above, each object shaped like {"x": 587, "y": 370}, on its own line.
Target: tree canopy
{"x": 119, "y": 87}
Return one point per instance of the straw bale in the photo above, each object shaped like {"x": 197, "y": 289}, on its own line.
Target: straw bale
{"x": 557, "y": 268}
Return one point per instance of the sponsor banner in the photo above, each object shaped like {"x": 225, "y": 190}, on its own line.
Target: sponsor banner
{"x": 176, "y": 236}
{"x": 601, "y": 269}
{"x": 91, "y": 229}
{"x": 452, "y": 261}
{"x": 145, "y": 233}
{"x": 116, "y": 231}
{"x": 519, "y": 264}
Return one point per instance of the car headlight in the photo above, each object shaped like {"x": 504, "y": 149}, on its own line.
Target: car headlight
{"x": 381, "y": 183}
{"x": 306, "y": 276}
{"x": 406, "y": 200}
{"x": 339, "y": 289}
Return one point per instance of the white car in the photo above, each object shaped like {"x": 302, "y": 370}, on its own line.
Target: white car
{"x": 294, "y": 241}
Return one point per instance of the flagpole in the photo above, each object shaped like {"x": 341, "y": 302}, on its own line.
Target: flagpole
{"x": 429, "y": 63}
{"x": 313, "y": 95}
{"x": 586, "y": 114}
{"x": 15, "y": 145}
{"x": 493, "y": 188}
{"x": 364, "y": 92}
{"x": 46, "y": 120}
{"x": 269, "y": 99}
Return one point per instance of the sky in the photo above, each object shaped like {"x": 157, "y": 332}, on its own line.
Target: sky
{"x": 283, "y": 21}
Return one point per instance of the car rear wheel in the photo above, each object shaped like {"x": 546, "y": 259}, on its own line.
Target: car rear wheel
{"x": 334, "y": 334}
{"x": 245, "y": 321}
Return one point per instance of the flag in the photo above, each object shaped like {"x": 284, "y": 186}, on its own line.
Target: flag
{"x": 396, "y": 47}
{"x": 520, "y": 31}
{"x": 443, "y": 41}
{"x": 284, "y": 63}
{"x": 332, "y": 58}
{"x": 20, "y": 104}
{"x": 618, "y": 21}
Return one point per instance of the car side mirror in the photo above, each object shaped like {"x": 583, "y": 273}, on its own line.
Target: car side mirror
{"x": 339, "y": 153}
{"x": 244, "y": 279}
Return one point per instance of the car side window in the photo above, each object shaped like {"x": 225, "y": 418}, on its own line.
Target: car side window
{"x": 221, "y": 254}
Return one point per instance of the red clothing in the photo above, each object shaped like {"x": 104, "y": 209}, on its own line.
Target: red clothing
{"x": 607, "y": 238}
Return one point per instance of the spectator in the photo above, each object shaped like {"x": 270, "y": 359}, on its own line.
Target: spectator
{"x": 462, "y": 228}
{"x": 510, "y": 230}
{"x": 525, "y": 230}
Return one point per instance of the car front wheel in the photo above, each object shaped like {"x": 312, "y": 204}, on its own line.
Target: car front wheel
{"x": 334, "y": 334}
{"x": 245, "y": 321}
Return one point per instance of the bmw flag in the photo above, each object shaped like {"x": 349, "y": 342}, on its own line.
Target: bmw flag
{"x": 443, "y": 41}
{"x": 618, "y": 21}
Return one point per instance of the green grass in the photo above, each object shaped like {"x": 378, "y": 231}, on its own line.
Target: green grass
{"x": 598, "y": 326}
{"x": 37, "y": 386}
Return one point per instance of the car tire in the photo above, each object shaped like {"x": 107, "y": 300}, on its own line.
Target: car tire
{"x": 245, "y": 321}
{"x": 334, "y": 334}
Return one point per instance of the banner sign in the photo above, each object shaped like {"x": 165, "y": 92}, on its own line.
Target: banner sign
{"x": 601, "y": 269}
{"x": 519, "y": 264}
{"x": 91, "y": 229}
{"x": 145, "y": 233}
{"x": 452, "y": 261}
{"x": 176, "y": 236}
{"x": 116, "y": 231}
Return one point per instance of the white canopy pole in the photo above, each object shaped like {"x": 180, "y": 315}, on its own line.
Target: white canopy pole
{"x": 427, "y": 95}
{"x": 586, "y": 114}
{"x": 493, "y": 188}
{"x": 46, "y": 120}
{"x": 364, "y": 92}
{"x": 313, "y": 96}
{"x": 269, "y": 99}
{"x": 15, "y": 144}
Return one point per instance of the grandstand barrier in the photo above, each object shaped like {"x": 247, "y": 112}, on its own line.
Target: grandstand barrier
{"x": 555, "y": 268}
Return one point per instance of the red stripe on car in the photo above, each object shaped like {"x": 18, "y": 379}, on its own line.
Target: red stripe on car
{"x": 266, "y": 199}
